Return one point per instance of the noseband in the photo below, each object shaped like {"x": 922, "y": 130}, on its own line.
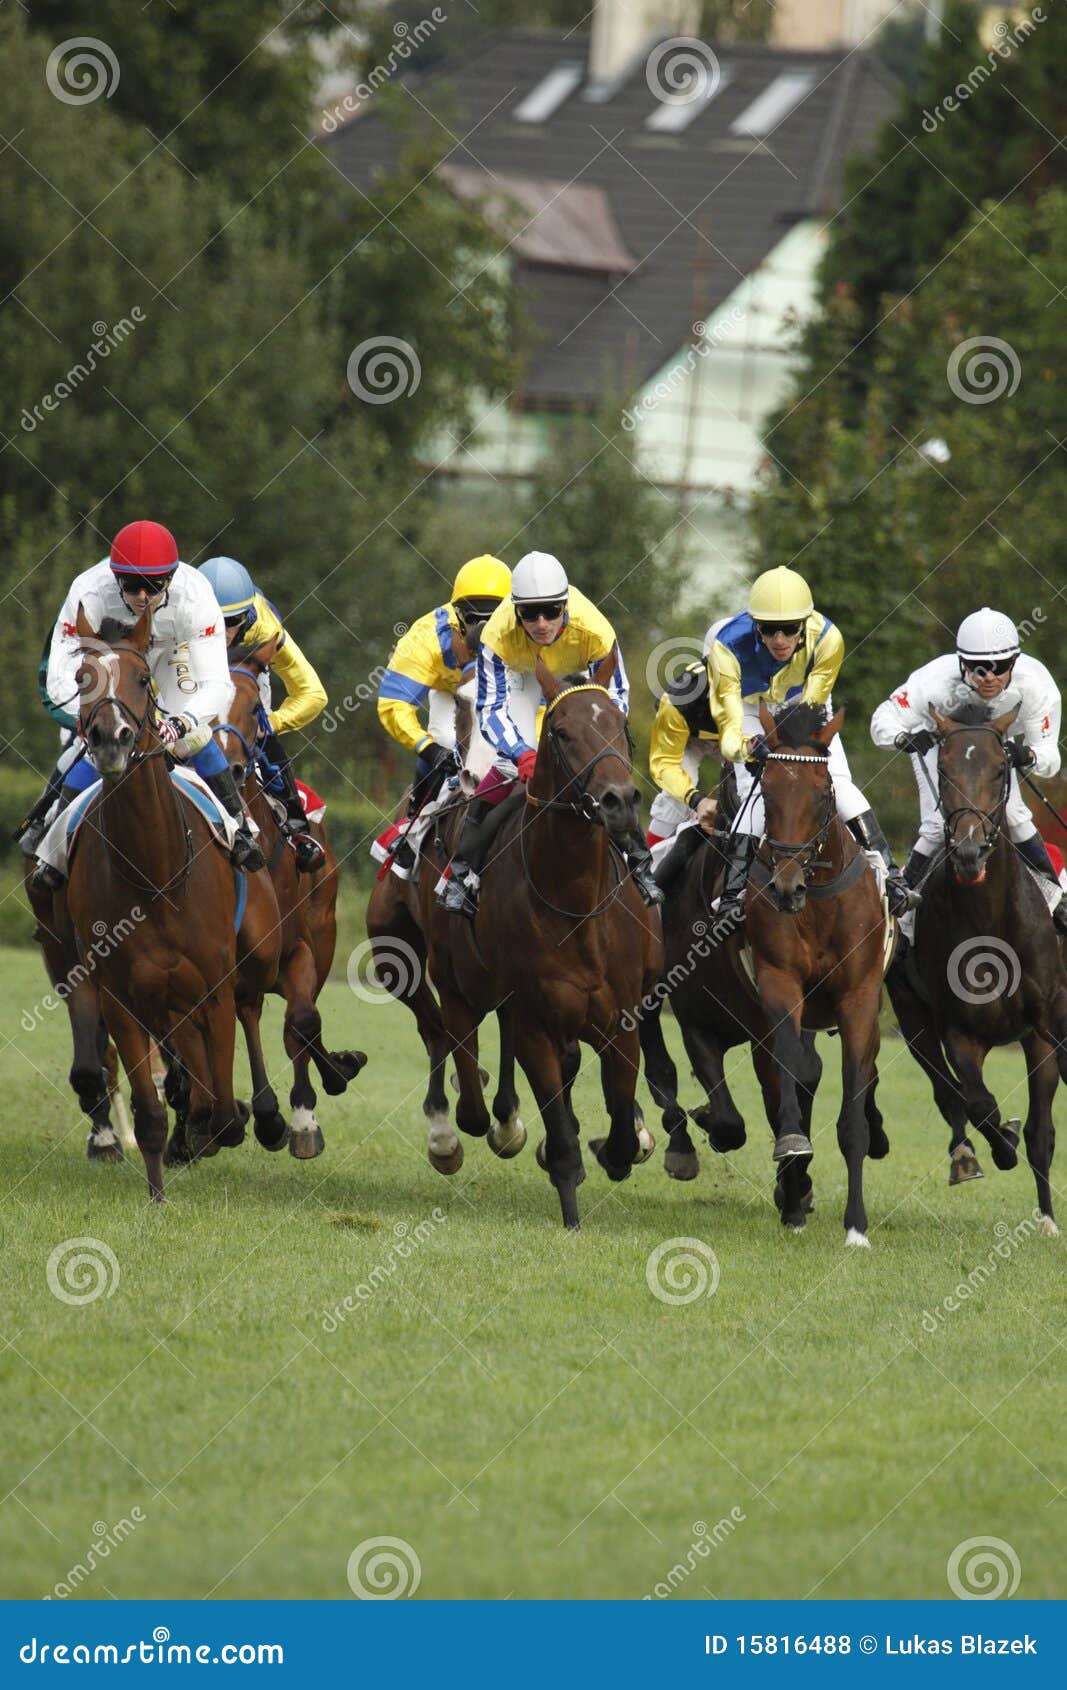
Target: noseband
{"x": 809, "y": 855}
{"x": 992, "y": 821}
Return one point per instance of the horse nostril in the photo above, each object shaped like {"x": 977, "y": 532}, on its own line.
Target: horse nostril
{"x": 611, "y": 801}
{"x": 125, "y": 734}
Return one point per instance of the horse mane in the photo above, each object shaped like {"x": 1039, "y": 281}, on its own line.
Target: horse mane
{"x": 113, "y": 631}
{"x": 797, "y": 724}
{"x": 248, "y": 653}
{"x": 971, "y": 713}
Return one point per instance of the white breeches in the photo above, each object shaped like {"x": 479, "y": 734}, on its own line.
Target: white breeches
{"x": 1019, "y": 824}
{"x": 667, "y": 813}
{"x": 850, "y": 800}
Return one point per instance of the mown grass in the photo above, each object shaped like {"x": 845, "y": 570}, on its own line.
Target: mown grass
{"x": 512, "y": 1401}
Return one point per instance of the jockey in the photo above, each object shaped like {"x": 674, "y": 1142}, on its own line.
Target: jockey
{"x": 252, "y": 621}
{"x": 427, "y": 665}
{"x": 684, "y": 732}
{"x": 781, "y": 649}
{"x": 187, "y": 660}
{"x": 987, "y": 666}
{"x": 545, "y": 617}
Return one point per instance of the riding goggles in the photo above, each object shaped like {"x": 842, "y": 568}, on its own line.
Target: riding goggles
{"x": 548, "y": 609}
{"x": 982, "y": 666}
{"x": 150, "y": 584}
{"x": 767, "y": 630}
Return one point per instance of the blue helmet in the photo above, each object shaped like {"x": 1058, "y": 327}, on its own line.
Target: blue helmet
{"x": 232, "y": 586}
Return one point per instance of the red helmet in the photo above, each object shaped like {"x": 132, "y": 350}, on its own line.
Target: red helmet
{"x": 144, "y": 548}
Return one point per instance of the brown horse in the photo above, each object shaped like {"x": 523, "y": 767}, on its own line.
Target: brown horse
{"x": 561, "y": 934}
{"x": 307, "y": 928}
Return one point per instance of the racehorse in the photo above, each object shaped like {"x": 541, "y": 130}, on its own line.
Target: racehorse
{"x": 561, "y": 934}
{"x": 396, "y": 912}
{"x": 141, "y": 844}
{"x": 986, "y": 967}
{"x": 306, "y": 914}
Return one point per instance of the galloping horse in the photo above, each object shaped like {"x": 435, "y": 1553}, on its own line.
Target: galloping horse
{"x": 399, "y": 914}
{"x": 986, "y": 967}
{"x": 307, "y": 917}
{"x": 561, "y": 933}
{"x": 141, "y": 844}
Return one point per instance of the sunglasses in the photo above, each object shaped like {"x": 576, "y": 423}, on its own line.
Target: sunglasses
{"x": 150, "y": 584}
{"x": 987, "y": 666}
{"x": 768, "y": 629}
{"x": 546, "y": 609}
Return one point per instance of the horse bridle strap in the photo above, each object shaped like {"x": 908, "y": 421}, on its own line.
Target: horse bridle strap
{"x": 583, "y": 686}
{"x": 993, "y": 822}
{"x": 124, "y": 710}
{"x": 585, "y": 806}
{"x": 811, "y": 848}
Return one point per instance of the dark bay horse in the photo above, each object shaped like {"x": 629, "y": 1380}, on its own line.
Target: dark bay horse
{"x": 172, "y": 980}
{"x": 561, "y": 934}
{"x": 986, "y": 967}
{"x": 306, "y": 919}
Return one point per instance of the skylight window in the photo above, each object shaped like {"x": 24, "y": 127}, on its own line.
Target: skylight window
{"x": 775, "y": 103}
{"x": 550, "y": 93}
{"x": 671, "y": 119}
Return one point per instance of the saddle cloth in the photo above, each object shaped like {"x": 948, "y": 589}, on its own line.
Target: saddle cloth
{"x": 58, "y": 843}
{"x": 414, "y": 829}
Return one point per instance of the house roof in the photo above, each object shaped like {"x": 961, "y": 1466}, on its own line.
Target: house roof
{"x": 677, "y": 215}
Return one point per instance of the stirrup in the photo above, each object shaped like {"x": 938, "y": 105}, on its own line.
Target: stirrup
{"x": 458, "y": 897}
{"x": 645, "y": 881}
{"x": 245, "y": 853}
{"x": 309, "y": 854}
{"x": 47, "y": 879}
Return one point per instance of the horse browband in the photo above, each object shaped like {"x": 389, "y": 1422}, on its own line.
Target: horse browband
{"x": 585, "y": 686}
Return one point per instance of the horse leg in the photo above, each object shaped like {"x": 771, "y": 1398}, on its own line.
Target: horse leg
{"x": 661, "y": 1076}
{"x": 857, "y": 1019}
{"x": 271, "y": 1127}
{"x": 149, "y": 1116}
{"x": 472, "y": 1116}
{"x": 782, "y": 1004}
{"x": 792, "y": 1183}
{"x": 967, "y": 1056}
{"x": 1042, "y": 1076}
{"x": 619, "y": 1067}
{"x": 88, "y": 1077}
{"x": 719, "y": 1117}
{"x": 914, "y": 1020}
{"x": 878, "y": 1139}
{"x": 559, "y": 1154}
{"x": 297, "y": 981}
{"x": 444, "y": 1148}
{"x": 570, "y": 1067}
{"x": 507, "y": 1135}
{"x": 109, "y": 1061}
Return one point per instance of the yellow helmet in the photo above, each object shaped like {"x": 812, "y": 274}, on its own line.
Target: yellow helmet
{"x": 482, "y": 578}
{"x": 780, "y": 593}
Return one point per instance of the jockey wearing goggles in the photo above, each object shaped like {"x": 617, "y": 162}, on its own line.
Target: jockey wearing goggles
{"x": 987, "y": 665}
{"x": 781, "y": 649}
{"x": 252, "y": 622}
{"x": 186, "y": 658}
{"x": 546, "y": 618}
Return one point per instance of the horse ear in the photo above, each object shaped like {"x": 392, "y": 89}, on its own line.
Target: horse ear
{"x": 142, "y": 631}
{"x": 605, "y": 669}
{"x": 550, "y": 687}
{"x": 942, "y": 723}
{"x": 826, "y": 733}
{"x": 86, "y": 631}
{"x": 768, "y": 724}
{"x": 1003, "y": 723}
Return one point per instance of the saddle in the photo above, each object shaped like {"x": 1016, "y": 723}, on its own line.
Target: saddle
{"x": 58, "y": 845}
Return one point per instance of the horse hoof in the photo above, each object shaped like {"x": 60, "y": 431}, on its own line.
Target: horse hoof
{"x": 306, "y": 1144}
{"x": 272, "y": 1131}
{"x": 178, "y": 1154}
{"x": 723, "y": 1136}
{"x": 857, "y": 1239}
{"x": 1047, "y": 1227}
{"x": 796, "y": 1227}
{"x": 646, "y": 1144}
{"x": 681, "y": 1164}
{"x": 101, "y": 1149}
{"x": 1004, "y": 1153}
{"x": 446, "y": 1162}
{"x": 541, "y": 1158}
{"x": 340, "y": 1069}
{"x": 506, "y": 1138}
{"x": 617, "y": 1174}
{"x": 790, "y": 1145}
{"x": 878, "y": 1148}
{"x": 963, "y": 1166}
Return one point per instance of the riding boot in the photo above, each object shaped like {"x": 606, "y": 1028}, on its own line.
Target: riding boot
{"x": 731, "y": 911}
{"x": 866, "y": 830}
{"x": 244, "y": 853}
{"x": 673, "y": 862}
{"x": 32, "y": 830}
{"x": 917, "y": 868}
{"x": 639, "y": 862}
{"x": 45, "y": 877}
{"x": 460, "y": 892}
{"x": 1034, "y": 854}
{"x": 310, "y": 856}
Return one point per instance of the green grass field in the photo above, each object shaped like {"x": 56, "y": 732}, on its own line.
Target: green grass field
{"x": 509, "y": 1400}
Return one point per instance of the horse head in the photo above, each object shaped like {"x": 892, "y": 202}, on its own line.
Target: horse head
{"x": 237, "y": 736}
{"x": 798, "y": 796}
{"x": 115, "y": 708}
{"x": 583, "y": 759}
{"x": 973, "y": 781}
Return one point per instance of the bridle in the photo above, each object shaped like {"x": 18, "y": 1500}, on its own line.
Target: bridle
{"x": 992, "y": 821}
{"x": 253, "y": 755}
{"x": 586, "y": 806}
{"x": 809, "y": 855}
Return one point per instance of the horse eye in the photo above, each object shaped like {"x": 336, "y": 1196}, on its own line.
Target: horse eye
{"x": 144, "y": 682}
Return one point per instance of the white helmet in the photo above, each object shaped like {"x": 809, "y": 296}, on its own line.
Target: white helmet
{"x": 987, "y": 634}
{"x": 537, "y": 578}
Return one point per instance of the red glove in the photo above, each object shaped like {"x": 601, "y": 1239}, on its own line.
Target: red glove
{"x": 527, "y": 765}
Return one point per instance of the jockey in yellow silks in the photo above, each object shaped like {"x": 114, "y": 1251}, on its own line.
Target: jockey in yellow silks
{"x": 252, "y": 622}
{"x": 779, "y": 650}
{"x": 545, "y": 617}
